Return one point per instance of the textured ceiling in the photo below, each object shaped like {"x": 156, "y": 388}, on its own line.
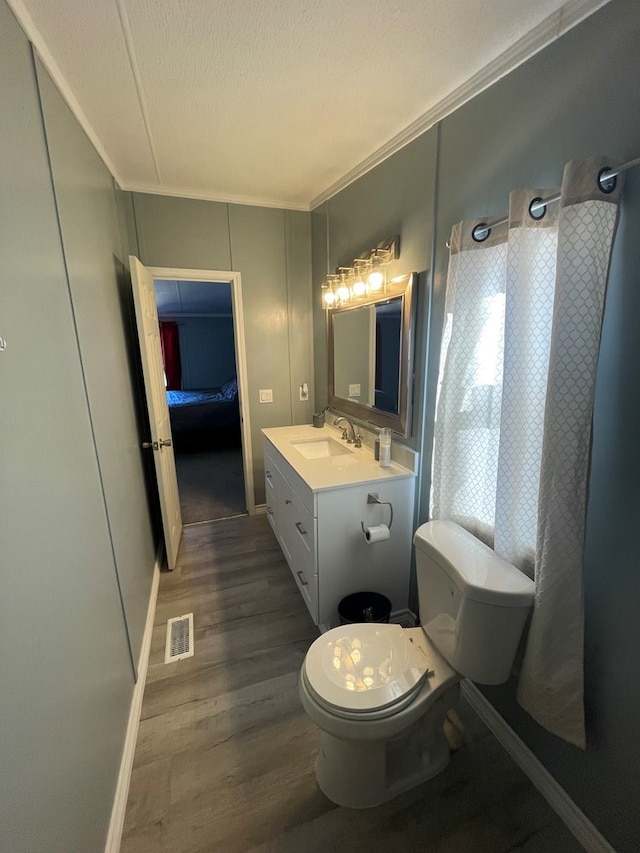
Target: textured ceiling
{"x": 177, "y": 298}
{"x": 276, "y": 102}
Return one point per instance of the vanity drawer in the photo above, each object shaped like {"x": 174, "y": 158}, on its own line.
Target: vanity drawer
{"x": 296, "y": 527}
{"x": 303, "y": 569}
{"x": 307, "y": 583}
{"x": 272, "y": 481}
{"x": 291, "y": 476}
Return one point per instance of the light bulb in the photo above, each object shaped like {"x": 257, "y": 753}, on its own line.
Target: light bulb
{"x": 376, "y": 276}
{"x": 359, "y": 287}
{"x": 329, "y": 297}
{"x": 343, "y": 289}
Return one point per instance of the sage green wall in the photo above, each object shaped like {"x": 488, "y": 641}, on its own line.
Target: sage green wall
{"x": 351, "y": 351}
{"x": 578, "y": 97}
{"x": 66, "y": 672}
{"x": 394, "y": 198}
{"x": 271, "y": 248}
{"x": 101, "y": 297}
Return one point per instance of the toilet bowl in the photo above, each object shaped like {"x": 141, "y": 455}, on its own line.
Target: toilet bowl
{"x": 386, "y": 737}
{"x": 379, "y": 693}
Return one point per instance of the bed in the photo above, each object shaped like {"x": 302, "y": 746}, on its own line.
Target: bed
{"x": 206, "y": 417}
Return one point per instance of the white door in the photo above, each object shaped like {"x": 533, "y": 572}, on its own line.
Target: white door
{"x": 161, "y": 442}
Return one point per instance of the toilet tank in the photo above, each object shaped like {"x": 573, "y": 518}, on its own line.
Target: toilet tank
{"x": 473, "y": 604}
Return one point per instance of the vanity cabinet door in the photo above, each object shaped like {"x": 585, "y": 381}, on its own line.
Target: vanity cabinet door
{"x": 293, "y": 525}
{"x": 347, "y": 562}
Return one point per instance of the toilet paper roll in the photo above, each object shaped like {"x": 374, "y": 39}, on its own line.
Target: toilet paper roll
{"x": 376, "y": 533}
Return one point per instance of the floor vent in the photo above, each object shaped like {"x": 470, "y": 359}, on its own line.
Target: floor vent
{"x": 179, "y": 638}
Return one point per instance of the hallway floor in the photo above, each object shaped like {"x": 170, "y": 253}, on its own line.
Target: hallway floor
{"x": 225, "y": 754}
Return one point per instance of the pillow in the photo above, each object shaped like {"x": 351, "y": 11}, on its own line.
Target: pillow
{"x": 230, "y": 389}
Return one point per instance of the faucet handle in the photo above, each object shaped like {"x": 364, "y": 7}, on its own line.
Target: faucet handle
{"x": 357, "y": 442}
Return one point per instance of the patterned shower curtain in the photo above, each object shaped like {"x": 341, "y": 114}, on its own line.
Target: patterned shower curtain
{"x": 515, "y": 400}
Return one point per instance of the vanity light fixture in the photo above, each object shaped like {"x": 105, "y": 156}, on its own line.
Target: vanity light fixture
{"x": 365, "y": 279}
{"x": 376, "y": 274}
{"x": 344, "y": 291}
{"x": 359, "y": 286}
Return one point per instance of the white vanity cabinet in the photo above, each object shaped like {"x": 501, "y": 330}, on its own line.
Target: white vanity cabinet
{"x": 320, "y": 532}
{"x": 290, "y": 511}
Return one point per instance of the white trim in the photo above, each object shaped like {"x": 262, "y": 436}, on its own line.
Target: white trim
{"x": 37, "y": 40}
{"x": 404, "y": 617}
{"x": 125, "y": 26}
{"x": 114, "y": 836}
{"x": 205, "y": 195}
{"x": 235, "y": 280}
{"x": 261, "y": 509}
{"x": 555, "y": 25}
{"x": 575, "y": 820}
{"x": 558, "y": 23}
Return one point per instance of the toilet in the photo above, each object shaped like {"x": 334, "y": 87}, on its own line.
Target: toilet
{"x": 379, "y": 693}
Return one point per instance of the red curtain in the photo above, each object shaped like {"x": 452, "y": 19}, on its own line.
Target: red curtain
{"x": 170, "y": 345}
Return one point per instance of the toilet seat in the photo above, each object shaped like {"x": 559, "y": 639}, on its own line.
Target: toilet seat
{"x": 365, "y": 670}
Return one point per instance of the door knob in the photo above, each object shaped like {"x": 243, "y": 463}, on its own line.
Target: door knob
{"x": 148, "y": 445}
{"x": 165, "y": 442}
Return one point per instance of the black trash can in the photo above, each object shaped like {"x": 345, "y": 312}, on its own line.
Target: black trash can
{"x": 364, "y": 607}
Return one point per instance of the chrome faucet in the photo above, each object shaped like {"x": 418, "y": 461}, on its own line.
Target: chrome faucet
{"x": 354, "y": 439}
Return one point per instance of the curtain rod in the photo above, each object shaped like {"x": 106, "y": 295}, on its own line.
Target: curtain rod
{"x": 606, "y": 181}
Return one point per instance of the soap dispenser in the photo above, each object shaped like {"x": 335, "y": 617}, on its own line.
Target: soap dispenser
{"x": 385, "y": 447}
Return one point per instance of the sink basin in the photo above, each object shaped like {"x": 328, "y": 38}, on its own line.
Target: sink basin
{"x": 320, "y": 448}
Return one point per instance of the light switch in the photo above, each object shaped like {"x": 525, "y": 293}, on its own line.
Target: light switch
{"x": 265, "y": 395}
{"x": 354, "y": 390}
{"x": 304, "y": 392}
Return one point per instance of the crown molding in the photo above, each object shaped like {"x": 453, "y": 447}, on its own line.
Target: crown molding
{"x": 568, "y": 16}
{"x": 558, "y": 23}
{"x": 33, "y": 34}
{"x": 202, "y": 195}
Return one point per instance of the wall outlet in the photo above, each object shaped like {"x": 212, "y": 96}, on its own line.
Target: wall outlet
{"x": 265, "y": 395}
{"x": 354, "y": 390}
{"x": 304, "y": 392}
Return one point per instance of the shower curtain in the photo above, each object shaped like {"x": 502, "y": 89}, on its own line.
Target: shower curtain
{"x": 513, "y": 419}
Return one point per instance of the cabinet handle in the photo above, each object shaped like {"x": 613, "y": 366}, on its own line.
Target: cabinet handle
{"x": 287, "y": 501}
{"x": 267, "y": 474}
{"x": 302, "y": 580}
{"x": 269, "y": 510}
{"x": 301, "y": 528}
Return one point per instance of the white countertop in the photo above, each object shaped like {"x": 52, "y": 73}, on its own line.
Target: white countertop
{"x": 349, "y": 469}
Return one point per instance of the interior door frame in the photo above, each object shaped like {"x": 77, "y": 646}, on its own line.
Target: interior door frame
{"x": 235, "y": 280}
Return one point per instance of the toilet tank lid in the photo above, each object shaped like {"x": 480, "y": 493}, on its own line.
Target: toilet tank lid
{"x": 478, "y": 572}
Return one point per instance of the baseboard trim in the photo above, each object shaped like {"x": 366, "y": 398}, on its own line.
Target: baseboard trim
{"x": 116, "y": 824}
{"x": 405, "y": 617}
{"x": 574, "y": 819}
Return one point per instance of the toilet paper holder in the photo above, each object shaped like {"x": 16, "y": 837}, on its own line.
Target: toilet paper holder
{"x": 372, "y": 498}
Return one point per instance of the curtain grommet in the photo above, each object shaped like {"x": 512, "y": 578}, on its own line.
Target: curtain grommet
{"x": 480, "y": 232}
{"x": 607, "y": 184}
{"x": 537, "y": 209}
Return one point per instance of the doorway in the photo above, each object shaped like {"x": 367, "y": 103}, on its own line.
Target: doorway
{"x": 202, "y": 337}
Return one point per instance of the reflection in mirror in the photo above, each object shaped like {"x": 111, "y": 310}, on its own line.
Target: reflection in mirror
{"x": 370, "y": 358}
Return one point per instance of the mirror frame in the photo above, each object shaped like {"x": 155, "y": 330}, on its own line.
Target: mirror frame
{"x": 404, "y": 287}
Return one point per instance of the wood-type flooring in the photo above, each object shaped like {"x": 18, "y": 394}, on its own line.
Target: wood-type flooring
{"x": 224, "y": 761}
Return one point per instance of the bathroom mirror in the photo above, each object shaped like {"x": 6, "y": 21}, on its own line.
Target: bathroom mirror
{"x": 370, "y": 357}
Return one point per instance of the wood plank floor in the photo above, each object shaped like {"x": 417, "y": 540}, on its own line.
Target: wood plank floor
{"x": 225, "y": 754}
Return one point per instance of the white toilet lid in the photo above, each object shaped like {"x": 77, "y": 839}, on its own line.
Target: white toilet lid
{"x": 364, "y": 666}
